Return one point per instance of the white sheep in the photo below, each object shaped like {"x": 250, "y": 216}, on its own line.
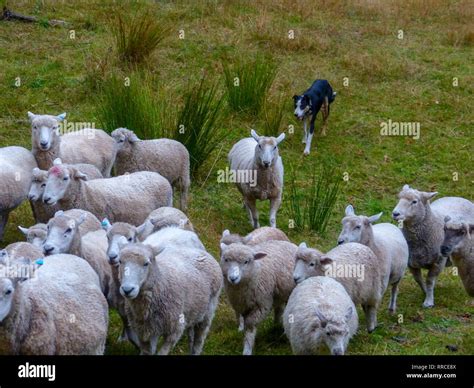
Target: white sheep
{"x": 58, "y": 311}
{"x": 165, "y": 295}
{"x": 42, "y": 212}
{"x": 423, "y": 228}
{"x": 35, "y": 234}
{"x": 23, "y": 250}
{"x": 355, "y": 266}
{"x": 319, "y": 315}
{"x": 257, "y": 236}
{"x": 257, "y": 279}
{"x": 89, "y": 145}
{"x": 16, "y": 165}
{"x": 167, "y": 157}
{"x": 459, "y": 244}
{"x": 162, "y": 217}
{"x": 259, "y": 173}
{"x": 384, "y": 239}
{"x": 127, "y": 198}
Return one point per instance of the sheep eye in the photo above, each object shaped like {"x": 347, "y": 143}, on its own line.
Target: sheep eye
{"x": 246, "y": 262}
{"x": 120, "y": 261}
{"x": 259, "y": 146}
{"x": 130, "y": 239}
{"x": 311, "y": 264}
{"x": 414, "y": 202}
{"x": 226, "y": 260}
{"x": 328, "y": 333}
{"x": 43, "y": 185}
{"x": 274, "y": 148}
{"x": 65, "y": 178}
{"x": 357, "y": 227}
{"x": 8, "y": 292}
{"x": 146, "y": 264}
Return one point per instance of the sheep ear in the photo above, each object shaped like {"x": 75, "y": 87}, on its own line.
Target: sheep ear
{"x": 3, "y": 257}
{"x": 61, "y": 117}
{"x": 254, "y": 135}
{"x": 302, "y": 245}
{"x": 106, "y": 225}
{"x": 428, "y": 195}
{"x": 225, "y": 232}
{"x": 280, "y": 138}
{"x": 259, "y": 255}
{"x": 322, "y": 318}
{"x": 349, "y": 313}
{"x": 325, "y": 260}
{"x": 406, "y": 187}
{"x": 447, "y": 219}
{"x": 31, "y": 116}
{"x": 59, "y": 213}
{"x": 140, "y": 228}
{"x": 133, "y": 138}
{"x": 81, "y": 219}
{"x": 350, "y": 210}
{"x": 80, "y": 175}
{"x": 182, "y": 223}
{"x": 374, "y": 218}
{"x": 36, "y": 169}
{"x": 23, "y": 230}
{"x": 57, "y": 161}
{"x": 223, "y": 247}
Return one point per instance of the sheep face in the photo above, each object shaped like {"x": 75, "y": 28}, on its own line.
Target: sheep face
{"x": 356, "y": 228}
{"x": 124, "y": 138}
{"x": 238, "y": 262}
{"x": 60, "y": 178}
{"x": 334, "y": 334}
{"x": 266, "y": 150}
{"x": 35, "y": 235}
{"x": 7, "y": 289}
{"x": 62, "y": 230}
{"x": 412, "y": 204}
{"x": 45, "y": 130}
{"x": 12, "y": 274}
{"x": 38, "y": 184}
{"x": 308, "y": 263}
{"x": 456, "y": 236}
{"x": 118, "y": 235}
{"x": 136, "y": 261}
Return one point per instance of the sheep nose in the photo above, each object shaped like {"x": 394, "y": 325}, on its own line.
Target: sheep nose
{"x": 127, "y": 289}
{"x": 340, "y": 241}
{"x": 47, "y": 249}
{"x": 395, "y": 214}
{"x": 266, "y": 164}
{"x": 43, "y": 144}
{"x": 46, "y": 200}
{"x": 296, "y": 279}
{"x": 31, "y": 197}
{"x": 444, "y": 249}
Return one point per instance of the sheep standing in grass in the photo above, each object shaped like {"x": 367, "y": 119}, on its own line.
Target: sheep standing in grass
{"x": 16, "y": 165}
{"x": 91, "y": 146}
{"x": 161, "y": 218}
{"x": 35, "y": 234}
{"x": 320, "y": 314}
{"x": 42, "y": 212}
{"x": 257, "y": 158}
{"x": 255, "y": 237}
{"x": 257, "y": 279}
{"x": 127, "y": 198}
{"x": 423, "y": 228}
{"x": 355, "y": 266}
{"x": 459, "y": 244}
{"x": 59, "y": 311}
{"x": 165, "y": 295}
{"x": 168, "y": 157}
{"x": 384, "y": 239}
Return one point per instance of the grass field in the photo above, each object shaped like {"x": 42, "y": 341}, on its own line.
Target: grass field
{"x": 425, "y": 77}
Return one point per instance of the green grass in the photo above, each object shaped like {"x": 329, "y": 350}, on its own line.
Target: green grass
{"x": 404, "y": 80}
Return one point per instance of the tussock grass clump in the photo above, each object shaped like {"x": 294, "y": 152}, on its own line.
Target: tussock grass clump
{"x": 247, "y": 83}
{"x": 273, "y": 113}
{"x": 311, "y": 207}
{"x": 197, "y": 122}
{"x": 137, "y": 36}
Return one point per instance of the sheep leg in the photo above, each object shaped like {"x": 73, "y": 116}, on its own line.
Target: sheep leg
{"x": 371, "y": 318}
{"x": 191, "y": 339}
{"x": 325, "y": 112}
{"x": 240, "y": 319}
{"x": 3, "y": 222}
{"x": 431, "y": 277}
{"x": 183, "y": 194}
{"x": 274, "y": 206}
{"x": 249, "y": 339}
{"x": 417, "y": 275}
{"x": 393, "y": 298}
{"x": 170, "y": 341}
{"x": 251, "y": 205}
{"x": 148, "y": 348}
{"x": 278, "y": 315}
{"x": 201, "y": 330}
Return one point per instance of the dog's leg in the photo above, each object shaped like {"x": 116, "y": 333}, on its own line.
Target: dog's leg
{"x": 310, "y": 136}
{"x": 305, "y": 126}
{"x": 325, "y": 112}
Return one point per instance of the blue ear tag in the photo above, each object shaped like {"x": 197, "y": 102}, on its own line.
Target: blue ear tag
{"x": 39, "y": 261}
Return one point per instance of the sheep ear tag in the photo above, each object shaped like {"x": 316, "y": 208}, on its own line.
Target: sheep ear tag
{"x": 39, "y": 261}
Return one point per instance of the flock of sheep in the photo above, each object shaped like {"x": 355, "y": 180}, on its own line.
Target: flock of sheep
{"x": 117, "y": 242}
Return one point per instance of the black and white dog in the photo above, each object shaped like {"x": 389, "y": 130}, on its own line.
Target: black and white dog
{"x": 317, "y": 98}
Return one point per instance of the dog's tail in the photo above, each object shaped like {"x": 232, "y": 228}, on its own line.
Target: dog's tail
{"x": 333, "y": 97}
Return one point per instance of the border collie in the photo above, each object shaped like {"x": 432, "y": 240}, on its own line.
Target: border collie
{"x": 317, "y": 98}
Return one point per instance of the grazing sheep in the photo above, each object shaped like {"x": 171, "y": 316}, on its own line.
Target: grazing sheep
{"x": 167, "y": 157}
{"x": 255, "y": 237}
{"x": 384, "y": 239}
{"x": 127, "y": 198}
{"x": 35, "y": 234}
{"x": 173, "y": 236}
{"x": 459, "y": 244}
{"x": 25, "y": 250}
{"x": 355, "y": 266}
{"x": 162, "y": 217}
{"x": 91, "y": 146}
{"x": 60, "y": 310}
{"x": 320, "y": 314}
{"x": 257, "y": 278}
{"x": 259, "y": 169}
{"x": 167, "y": 294}
{"x": 42, "y": 212}
{"x": 16, "y": 164}
{"x": 66, "y": 234}
{"x": 423, "y": 228}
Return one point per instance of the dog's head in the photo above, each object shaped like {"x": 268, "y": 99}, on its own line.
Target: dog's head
{"x": 302, "y": 106}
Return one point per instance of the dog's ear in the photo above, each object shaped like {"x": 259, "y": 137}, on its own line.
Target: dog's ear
{"x": 295, "y": 98}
